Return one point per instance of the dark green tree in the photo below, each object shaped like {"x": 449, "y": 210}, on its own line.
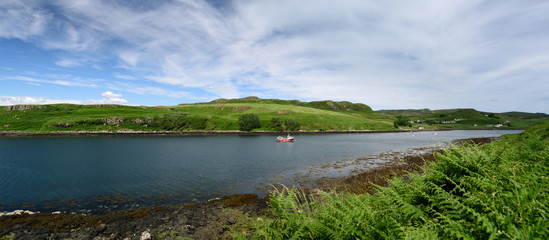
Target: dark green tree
{"x": 249, "y": 121}
{"x": 291, "y": 125}
{"x": 402, "y": 121}
{"x": 276, "y": 124}
{"x": 179, "y": 122}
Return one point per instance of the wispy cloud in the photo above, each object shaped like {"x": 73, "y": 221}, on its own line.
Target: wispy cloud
{"x": 15, "y": 100}
{"x": 108, "y": 98}
{"x": 388, "y": 54}
{"x": 63, "y": 82}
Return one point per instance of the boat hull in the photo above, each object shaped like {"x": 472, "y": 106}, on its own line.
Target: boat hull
{"x": 286, "y": 140}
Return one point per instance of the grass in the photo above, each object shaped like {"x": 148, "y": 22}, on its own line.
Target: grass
{"x": 44, "y": 118}
{"x": 494, "y": 191}
{"x": 222, "y": 115}
{"x": 225, "y": 116}
{"x": 469, "y": 118}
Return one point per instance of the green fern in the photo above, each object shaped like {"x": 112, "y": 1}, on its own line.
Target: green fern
{"x": 495, "y": 191}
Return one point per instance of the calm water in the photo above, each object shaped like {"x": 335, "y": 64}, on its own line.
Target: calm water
{"x": 153, "y": 170}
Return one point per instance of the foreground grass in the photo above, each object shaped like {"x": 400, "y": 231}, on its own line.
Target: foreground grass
{"x": 494, "y": 191}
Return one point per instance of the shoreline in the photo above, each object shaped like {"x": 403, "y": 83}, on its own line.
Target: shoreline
{"x": 212, "y": 219}
{"x": 211, "y": 133}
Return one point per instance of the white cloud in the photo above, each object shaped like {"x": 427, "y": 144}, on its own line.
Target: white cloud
{"x": 15, "y": 100}
{"x": 65, "y": 62}
{"x": 21, "y": 20}
{"x": 388, "y": 54}
{"x": 125, "y": 77}
{"x": 111, "y": 95}
{"x": 63, "y": 80}
{"x": 108, "y": 98}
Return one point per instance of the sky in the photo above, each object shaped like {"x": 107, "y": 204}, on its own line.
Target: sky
{"x": 489, "y": 55}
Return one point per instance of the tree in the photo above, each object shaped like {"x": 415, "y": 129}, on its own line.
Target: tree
{"x": 402, "y": 121}
{"x": 292, "y": 125}
{"x": 276, "y": 124}
{"x": 249, "y": 121}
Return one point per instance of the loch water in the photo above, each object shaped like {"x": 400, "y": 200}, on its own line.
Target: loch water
{"x": 92, "y": 173}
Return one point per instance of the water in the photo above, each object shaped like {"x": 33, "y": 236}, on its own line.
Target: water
{"x": 73, "y": 173}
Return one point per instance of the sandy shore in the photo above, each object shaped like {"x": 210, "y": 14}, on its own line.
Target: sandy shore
{"x": 213, "y": 219}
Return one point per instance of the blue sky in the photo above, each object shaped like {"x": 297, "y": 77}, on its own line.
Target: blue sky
{"x": 488, "y": 55}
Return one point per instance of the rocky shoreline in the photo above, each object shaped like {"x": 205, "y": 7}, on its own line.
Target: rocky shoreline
{"x": 217, "y": 218}
{"x": 197, "y": 133}
{"x": 208, "y": 220}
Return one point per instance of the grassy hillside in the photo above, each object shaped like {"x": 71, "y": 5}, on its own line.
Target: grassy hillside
{"x": 468, "y": 118}
{"x": 223, "y": 114}
{"x": 65, "y": 117}
{"x": 215, "y": 116}
{"x": 327, "y": 115}
{"x": 495, "y": 191}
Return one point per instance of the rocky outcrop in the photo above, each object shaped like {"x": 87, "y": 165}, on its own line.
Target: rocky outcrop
{"x": 22, "y": 107}
{"x": 213, "y": 219}
{"x": 62, "y": 125}
{"x": 139, "y": 120}
{"x": 241, "y": 108}
{"x": 112, "y": 121}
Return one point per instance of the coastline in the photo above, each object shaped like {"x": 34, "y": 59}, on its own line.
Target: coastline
{"x": 212, "y": 219}
{"x": 209, "y": 133}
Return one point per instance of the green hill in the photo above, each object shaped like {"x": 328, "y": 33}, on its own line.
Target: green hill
{"x": 218, "y": 115}
{"x": 223, "y": 115}
{"x": 468, "y": 118}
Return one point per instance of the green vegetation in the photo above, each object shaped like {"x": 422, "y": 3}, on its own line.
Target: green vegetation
{"x": 402, "y": 121}
{"x": 276, "y": 124}
{"x": 249, "y": 121}
{"x": 468, "y": 118}
{"x": 291, "y": 125}
{"x": 224, "y": 115}
{"x": 179, "y": 122}
{"x": 494, "y": 191}
{"x": 219, "y": 115}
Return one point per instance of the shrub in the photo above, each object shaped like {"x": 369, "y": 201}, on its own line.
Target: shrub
{"x": 402, "y": 121}
{"x": 276, "y": 124}
{"x": 249, "y": 121}
{"x": 179, "y": 122}
{"x": 292, "y": 125}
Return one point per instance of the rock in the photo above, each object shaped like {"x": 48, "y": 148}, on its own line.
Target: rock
{"x": 62, "y": 125}
{"x": 242, "y": 108}
{"x": 138, "y": 121}
{"x": 16, "y": 212}
{"x": 146, "y": 235}
{"x": 112, "y": 120}
{"x": 22, "y": 107}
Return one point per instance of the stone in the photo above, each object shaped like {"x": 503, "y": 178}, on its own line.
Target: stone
{"x": 146, "y": 235}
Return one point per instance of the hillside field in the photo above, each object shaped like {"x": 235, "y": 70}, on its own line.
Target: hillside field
{"x": 223, "y": 115}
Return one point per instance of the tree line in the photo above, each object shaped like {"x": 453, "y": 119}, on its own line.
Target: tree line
{"x": 250, "y": 121}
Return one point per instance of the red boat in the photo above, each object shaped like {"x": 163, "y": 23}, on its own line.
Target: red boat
{"x": 287, "y": 139}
